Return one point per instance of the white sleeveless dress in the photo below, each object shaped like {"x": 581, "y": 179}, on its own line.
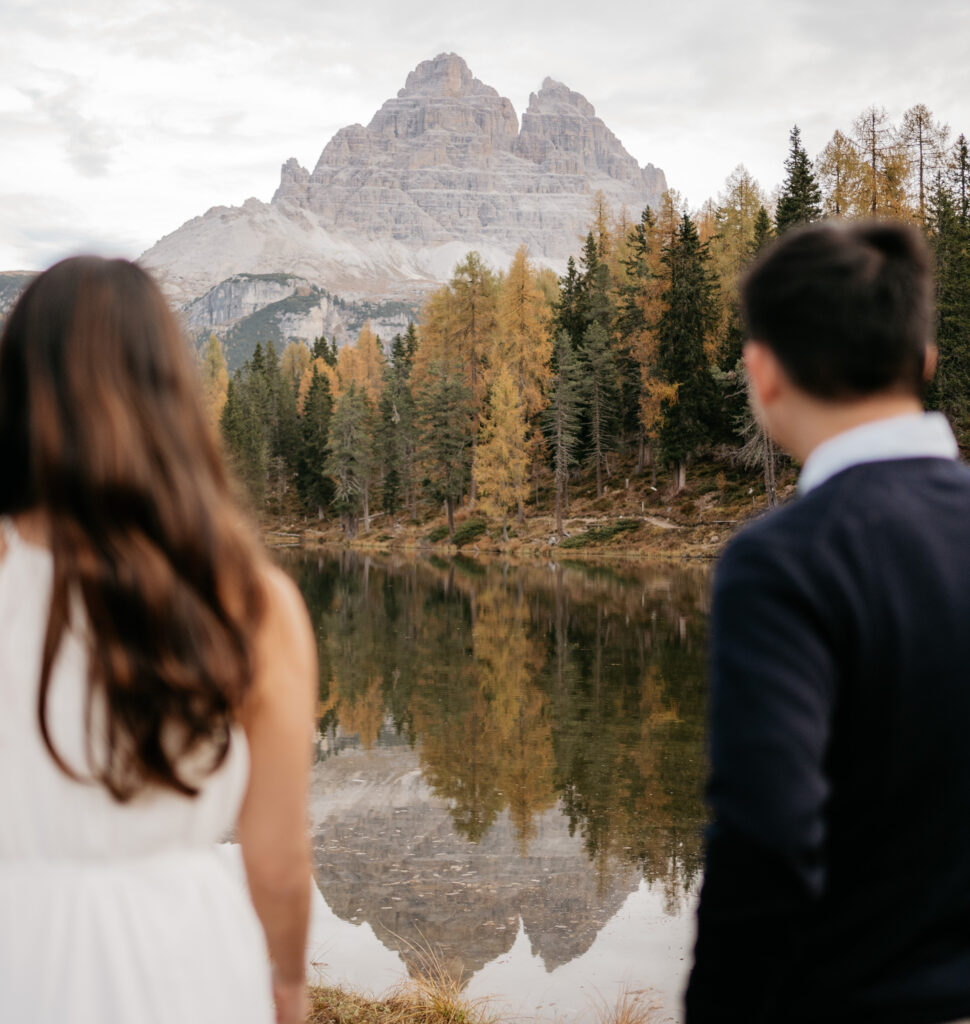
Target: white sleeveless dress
{"x": 109, "y": 913}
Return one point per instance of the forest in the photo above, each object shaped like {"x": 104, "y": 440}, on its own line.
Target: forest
{"x": 514, "y": 385}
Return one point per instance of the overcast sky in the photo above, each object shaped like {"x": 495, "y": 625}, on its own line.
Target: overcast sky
{"x": 121, "y": 119}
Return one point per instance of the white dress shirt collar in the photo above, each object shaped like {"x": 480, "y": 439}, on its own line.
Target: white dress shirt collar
{"x": 911, "y": 436}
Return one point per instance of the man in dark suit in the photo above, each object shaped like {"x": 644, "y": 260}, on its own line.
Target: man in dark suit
{"x": 837, "y": 879}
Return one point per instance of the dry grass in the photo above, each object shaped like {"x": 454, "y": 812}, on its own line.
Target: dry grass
{"x": 431, "y": 996}
{"x": 631, "y": 1007}
{"x": 438, "y": 1000}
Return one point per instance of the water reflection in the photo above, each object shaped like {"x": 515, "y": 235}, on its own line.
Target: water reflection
{"x": 519, "y": 747}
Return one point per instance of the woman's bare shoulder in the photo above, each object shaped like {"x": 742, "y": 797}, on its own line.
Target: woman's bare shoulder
{"x": 286, "y": 652}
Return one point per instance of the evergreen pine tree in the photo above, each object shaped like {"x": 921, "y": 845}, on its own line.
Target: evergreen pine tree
{"x": 684, "y": 328}
{"x": 445, "y": 416}
{"x": 800, "y": 201}
{"x": 599, "y": 368}
{"x": 348, "y": 457}
{"x": 315, "y": 486}
{"x": 562, "y": 419}
{"x": 397, "y": 428}
{"x": 949, "y": 237}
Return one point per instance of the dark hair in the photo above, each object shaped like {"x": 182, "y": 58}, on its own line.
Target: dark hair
{"x": 846, "y": 307}
{"x": 105, "y": 436}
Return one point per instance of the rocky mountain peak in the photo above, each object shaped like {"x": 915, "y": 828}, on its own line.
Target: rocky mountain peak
{"x": 441, "y": 168}
{"x": 446, "y": 75}
{"x": 556, "y": 98}
{"x": 293, "y": 181}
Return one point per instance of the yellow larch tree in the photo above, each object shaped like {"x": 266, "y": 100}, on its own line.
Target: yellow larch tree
{"x": 362, "y": 364}
{"x": 294, "y": 362}
{"x": 215, "y": 379}
{"x": 523, "y": 342}
{"x": 501, "y": 458}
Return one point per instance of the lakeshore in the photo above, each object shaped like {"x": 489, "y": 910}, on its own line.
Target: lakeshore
{"x": 635, "y": 520}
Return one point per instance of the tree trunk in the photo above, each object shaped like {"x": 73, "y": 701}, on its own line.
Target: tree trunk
{"x": 680, "y": 475}
{"x": 641, "y": 451}
{"x": 450, "y": 510}
{"x": 559, "y": 489}
{"x": 366, "y": 508}
{"x": 505, "y": 527}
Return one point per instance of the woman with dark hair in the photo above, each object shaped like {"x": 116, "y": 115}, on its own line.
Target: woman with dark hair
{"x": 156, "y": 683}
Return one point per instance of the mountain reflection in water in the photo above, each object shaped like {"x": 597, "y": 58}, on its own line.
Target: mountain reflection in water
{"x": 508, "y": 750}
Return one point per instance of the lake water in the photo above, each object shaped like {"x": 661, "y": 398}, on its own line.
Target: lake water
{"x": 510, "y": 776}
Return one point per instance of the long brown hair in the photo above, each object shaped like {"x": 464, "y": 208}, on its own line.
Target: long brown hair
{"x": 104, "y": 435}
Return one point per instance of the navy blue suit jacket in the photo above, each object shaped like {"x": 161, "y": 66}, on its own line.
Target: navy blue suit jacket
{"x": 837, "y": 879}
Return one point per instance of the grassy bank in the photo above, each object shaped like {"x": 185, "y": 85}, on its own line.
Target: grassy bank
{"x": 429, "y": 1002}
{"x": 634, "y": 517}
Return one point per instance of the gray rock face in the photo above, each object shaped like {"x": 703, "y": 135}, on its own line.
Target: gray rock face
{"x": 440, "y": 169}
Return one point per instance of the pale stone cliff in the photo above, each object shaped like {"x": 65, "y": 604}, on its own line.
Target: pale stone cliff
{"x": 390, "y": 208}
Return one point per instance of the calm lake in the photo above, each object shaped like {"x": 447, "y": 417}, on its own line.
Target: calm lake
{"x": 510, "y": 776}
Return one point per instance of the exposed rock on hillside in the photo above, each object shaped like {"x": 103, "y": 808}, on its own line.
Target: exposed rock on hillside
{"x": 247, "y": 308}
{"x": 441, "y": 168}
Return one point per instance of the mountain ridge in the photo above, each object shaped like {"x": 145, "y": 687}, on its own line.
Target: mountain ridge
{"x": 441, "y": 168}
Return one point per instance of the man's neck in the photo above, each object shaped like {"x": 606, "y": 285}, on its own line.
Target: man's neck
{"x": 810, "y": 422}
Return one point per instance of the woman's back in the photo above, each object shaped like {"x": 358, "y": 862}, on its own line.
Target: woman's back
{"x": 45, "y": 813}
{"x": 111, "y": 912}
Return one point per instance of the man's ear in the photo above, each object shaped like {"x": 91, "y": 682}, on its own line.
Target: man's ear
{"x": 930, "y": 361}
{"x": 765, "y": 375}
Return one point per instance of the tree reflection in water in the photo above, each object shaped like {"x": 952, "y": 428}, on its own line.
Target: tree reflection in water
{"x": 524, "y": 686}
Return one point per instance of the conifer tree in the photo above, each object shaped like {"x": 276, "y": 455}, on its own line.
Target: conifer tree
{"x": 315, "y": 486}
{"x": 562, "y": 419}
{"x": 215, "y": 379}
{"x": 840, "y": 174}
{"x": 684, "y": 329}
{"x": 925, "y": 139}
{"x": 348, "y": 461}
{"x": 325, "y": 350}
{"x": 500, "y": 458}
{"x": 244, "y": 434}
{"x": 398, "y": 428}
{"x": 445, "y": 417}
{"x": 522, "y": 341}
{"x": 599, "y": 369}
{"x": 949, "y": 237}
{"x": 294, "y": 362}
{"x": 763, "y": 232}
{"x": 800, "y": 201}
{"x": 637, "y": 315}
{"x": 959, "y": 175}
{"x": 874, "y": 138}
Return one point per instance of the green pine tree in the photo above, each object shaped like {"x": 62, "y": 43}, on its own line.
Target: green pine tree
{"x": 315, "y": 486}
{"x": 599, "y": 370}
{"x": 949, "y": 237}
{"x": 562, "y": 419}
{"x": 444, "y": 405}
{"x": 348, "y": 461}
{"x": 684, "y": 329}
{"x": 800, "y": 201}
